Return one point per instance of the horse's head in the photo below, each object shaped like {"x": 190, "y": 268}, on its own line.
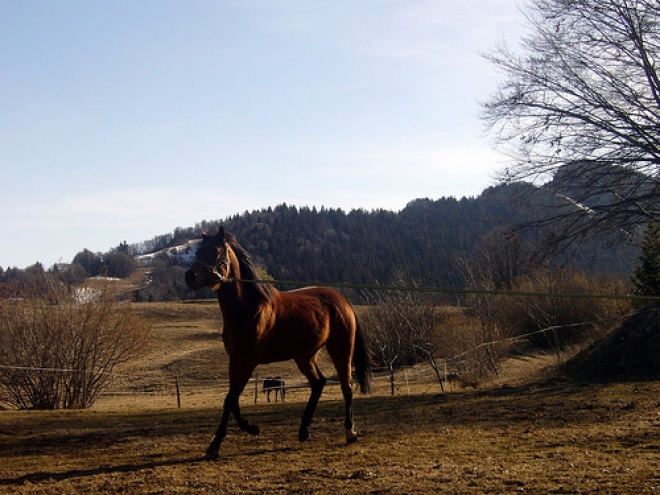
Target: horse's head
{"x": 212, "y": 263}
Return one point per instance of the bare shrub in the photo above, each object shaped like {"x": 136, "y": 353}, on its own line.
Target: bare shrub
{"x": 58, "y": 349}
{"x": 475, "y": 340}
{"x": 494, "y": 322}
{"x": 480, "y": 343}
{"x": 502, "y": 262}
{"x": 402, "y": 328}
{"x": 572, "y": 318}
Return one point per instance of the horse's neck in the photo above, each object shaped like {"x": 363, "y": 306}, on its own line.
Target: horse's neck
{"x": 238, "y": 305}
{"x": 240, "y": 301}
{"x": 231, "y": 295}
{"x": 231, "y": 302}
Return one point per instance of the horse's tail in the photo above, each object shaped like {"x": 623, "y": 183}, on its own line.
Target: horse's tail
{"x": 362, "y": 359}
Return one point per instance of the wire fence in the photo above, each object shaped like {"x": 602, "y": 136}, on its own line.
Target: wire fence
{"x": 177, "y": 390}
{"x": 453, "y": 291}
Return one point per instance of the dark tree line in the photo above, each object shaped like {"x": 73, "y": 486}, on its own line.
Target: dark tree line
{"x": 427, "y": 240}
{"x": 363, "y": 247}
{"x": 117, "y": 262}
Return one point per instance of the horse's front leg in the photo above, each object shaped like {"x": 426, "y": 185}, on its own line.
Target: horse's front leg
{"x": 243, "y": 423}
{"x": 231, "y": 402}
{"x": 238, "y": 378}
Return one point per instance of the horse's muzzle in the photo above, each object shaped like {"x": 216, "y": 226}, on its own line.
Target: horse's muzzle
{"x": 196, "y": 280}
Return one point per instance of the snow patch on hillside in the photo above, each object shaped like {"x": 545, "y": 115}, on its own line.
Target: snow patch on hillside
{"x": 184, "y": 254}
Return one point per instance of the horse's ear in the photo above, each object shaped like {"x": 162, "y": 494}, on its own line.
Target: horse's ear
{"x": 204, "y": 234}
{"x": 220, "y": 236}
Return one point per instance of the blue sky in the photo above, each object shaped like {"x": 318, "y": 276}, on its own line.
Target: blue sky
{"x": 122, "y": 120}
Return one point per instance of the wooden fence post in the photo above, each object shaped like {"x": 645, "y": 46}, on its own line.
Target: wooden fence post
{"x": 178, "y": 391}
{"x": 256, "y": 388}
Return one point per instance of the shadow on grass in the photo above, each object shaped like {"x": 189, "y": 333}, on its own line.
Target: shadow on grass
{"x": 81, "y": 473}
{"x": 123, "y": 468}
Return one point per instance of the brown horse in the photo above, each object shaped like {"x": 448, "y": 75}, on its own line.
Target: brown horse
{"x": 274, "y": 384}
{"x": 263, "y": 325}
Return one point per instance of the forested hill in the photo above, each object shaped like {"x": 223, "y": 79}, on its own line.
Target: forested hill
{"x": 425, "y": 242}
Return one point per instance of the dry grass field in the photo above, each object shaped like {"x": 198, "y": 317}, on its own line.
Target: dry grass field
{"x": 552, "y": 436}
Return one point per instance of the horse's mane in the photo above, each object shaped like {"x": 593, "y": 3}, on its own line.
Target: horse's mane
{"x": 248, "y": 270}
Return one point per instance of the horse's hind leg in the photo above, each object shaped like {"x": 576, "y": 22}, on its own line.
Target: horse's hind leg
{"x": 316, "y": 379}
{"x": 342, "y": 362}
{"x": 349, "y": 422}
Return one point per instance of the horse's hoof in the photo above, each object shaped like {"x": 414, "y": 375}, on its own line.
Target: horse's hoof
{"x": 351, "y": 436}
{"x": 211, "y": 455}
{"x": 253, "y": 430}
{"x": 303, "y": 435}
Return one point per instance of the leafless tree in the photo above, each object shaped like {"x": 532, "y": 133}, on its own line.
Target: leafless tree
{"x": 501, "y": 256}
{"x": 579, "y": 112}
{"x": 498, "y": 262}
{"x": 383, "y": 334}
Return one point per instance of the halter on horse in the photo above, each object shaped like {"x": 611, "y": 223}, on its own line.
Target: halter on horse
{"x": 263, "y": 325}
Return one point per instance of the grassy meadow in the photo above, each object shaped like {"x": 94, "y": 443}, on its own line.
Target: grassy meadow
{"x": 515, "y": 436}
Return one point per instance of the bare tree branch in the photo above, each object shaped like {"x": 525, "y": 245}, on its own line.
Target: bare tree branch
{"x": 579, "y": 112}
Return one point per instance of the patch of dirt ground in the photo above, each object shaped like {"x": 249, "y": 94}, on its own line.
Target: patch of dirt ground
{"x": 552, "y": 438}
{"x": 558, "y": 436}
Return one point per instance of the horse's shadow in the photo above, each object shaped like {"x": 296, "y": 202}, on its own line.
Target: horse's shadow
{"x": 81, "y": 473}
{"x": 122, "y": 468}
